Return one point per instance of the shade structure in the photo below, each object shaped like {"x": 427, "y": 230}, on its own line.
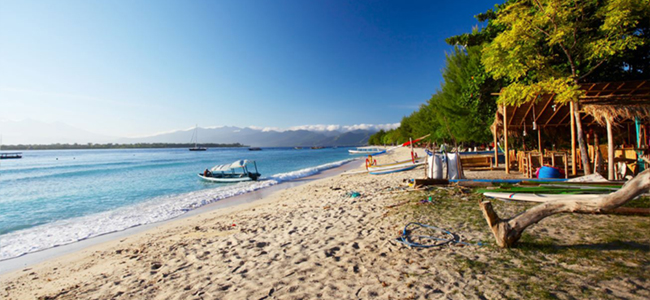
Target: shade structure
{"x": 227, "y": 167}
{"x": 602, "y": 103}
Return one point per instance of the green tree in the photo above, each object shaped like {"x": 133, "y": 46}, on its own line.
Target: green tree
{"x": 377, "y": 138}
{"x": 465, "y": 104}
{"x": 549, "y": 46}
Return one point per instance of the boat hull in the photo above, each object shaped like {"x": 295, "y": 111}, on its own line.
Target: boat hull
{"x": 225, "y": 180}
{"x": 394, "y": 167}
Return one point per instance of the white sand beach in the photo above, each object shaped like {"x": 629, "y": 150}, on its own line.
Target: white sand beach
{"x": 309, "y": 242}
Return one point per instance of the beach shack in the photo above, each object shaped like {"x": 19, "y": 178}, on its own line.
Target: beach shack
{"x": 543, "y": 132}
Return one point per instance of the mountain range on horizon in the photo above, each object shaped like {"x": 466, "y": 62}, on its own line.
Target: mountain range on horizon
{"x": 36, "y": 132}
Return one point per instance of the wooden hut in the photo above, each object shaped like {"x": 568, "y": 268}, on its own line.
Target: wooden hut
{"x": 622, "y": 104}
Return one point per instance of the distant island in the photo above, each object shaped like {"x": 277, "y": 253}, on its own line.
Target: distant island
{"x": 115, "y": 146}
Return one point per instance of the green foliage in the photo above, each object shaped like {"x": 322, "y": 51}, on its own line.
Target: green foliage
{"x": 548, "y": 46}
{"x": 377, "y": 138}
{"x": 465, "y": 105}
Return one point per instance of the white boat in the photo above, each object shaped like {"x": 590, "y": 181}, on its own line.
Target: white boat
{"x": 366, "y": 150}
{"x": 195, "y": 139}
{"x": 541, "y": 197}
{"x": 228, "y": 172}
{"x": 375, "y": 169}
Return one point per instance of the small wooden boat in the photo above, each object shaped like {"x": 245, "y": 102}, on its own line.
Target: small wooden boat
{"x": 254, "y": 149}
{"x": 377, "y": 169}
{"x": 229, "y": 172}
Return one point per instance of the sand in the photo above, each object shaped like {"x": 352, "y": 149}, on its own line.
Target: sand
{"x": 308, "y": 242}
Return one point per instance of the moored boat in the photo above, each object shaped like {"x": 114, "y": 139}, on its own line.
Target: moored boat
{"x": 366, "y": 150}
{"x": 233, "y": 172}
{"x": 195, "y": 139}
{"x": 376, "y": 169}
{"x": 13, "y": 155}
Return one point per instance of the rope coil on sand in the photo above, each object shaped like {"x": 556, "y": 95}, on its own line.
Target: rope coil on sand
{"x": 404, "y": 239}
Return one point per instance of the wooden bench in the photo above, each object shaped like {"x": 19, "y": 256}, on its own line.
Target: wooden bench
{"x": 477, "y": 162}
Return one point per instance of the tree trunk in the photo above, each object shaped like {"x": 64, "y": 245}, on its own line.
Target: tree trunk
{"x": 508, "y": 231}
{"x": 584, "y": 154}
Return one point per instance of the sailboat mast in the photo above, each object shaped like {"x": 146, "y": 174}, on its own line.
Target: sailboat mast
{"x": 196, "y": 132}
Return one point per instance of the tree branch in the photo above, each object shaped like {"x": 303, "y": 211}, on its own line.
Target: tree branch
{"x": 592, "y": 69}
{"x": 508, "y": 231}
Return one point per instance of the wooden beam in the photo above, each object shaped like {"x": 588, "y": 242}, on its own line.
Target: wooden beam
{"x": 496, "y": 148}
{"x": 562, "y": 120}
{"x": 604, "y": 88}
{"x": 574, "y": 171}
{"x": 557, "y": 110}
{"x": 505, "y": 139}
{"x": 539, "y": 139}
{"x": 514, "y": 110}
{"x": 545, "y": 106}
{"x": 532, "y": 103}
{"x": 637, "y": 87}
{"x": 610, "y": 151}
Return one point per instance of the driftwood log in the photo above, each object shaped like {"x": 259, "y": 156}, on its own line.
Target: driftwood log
{"x": 508, "y": 231}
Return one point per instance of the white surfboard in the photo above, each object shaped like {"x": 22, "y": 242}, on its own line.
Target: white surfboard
{"x": 540, "y": 197}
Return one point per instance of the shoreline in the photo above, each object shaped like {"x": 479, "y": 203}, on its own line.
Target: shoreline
{"x": 336, "y": 238}
{"x": 10, "y": 265}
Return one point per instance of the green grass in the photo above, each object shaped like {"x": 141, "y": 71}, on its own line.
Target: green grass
{"x": 564, "y": 256}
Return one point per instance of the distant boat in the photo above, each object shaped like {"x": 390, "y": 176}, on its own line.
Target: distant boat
{"x": 366, "y": 150}
{"x": 195, "y": 139}
{"x": 297, "y": 148}
{"x": 254, "y": 149}
{"x": 13, "y": 155}
{"x": 227, "y": 173}
{"x": 317, "y": 147}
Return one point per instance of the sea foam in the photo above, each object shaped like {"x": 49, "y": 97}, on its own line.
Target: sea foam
{"x": 157, "y": 209}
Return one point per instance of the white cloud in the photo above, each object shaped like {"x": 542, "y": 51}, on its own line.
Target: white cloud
{"x": 330, "y": 127}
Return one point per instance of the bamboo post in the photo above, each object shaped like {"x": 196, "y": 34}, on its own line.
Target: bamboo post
{"x": 539, "y": 139}
{"x": 610, "y": 151}
{"x": 573, "y": 140}
{"x": 505, "y": 139}
{"x": 496, "y": 148}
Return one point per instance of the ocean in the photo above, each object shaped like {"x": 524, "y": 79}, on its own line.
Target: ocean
{"x": 56, "y": 197}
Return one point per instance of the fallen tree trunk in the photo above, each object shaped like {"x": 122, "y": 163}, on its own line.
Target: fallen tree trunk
{"x": 508, "y": 231}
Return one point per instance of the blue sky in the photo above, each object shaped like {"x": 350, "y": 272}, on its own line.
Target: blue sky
{"x": 131, "y": 68}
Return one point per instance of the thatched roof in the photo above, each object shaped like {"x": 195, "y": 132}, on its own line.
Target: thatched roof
{"x": 616, "y": 101}
{"x": 616, "y": 114}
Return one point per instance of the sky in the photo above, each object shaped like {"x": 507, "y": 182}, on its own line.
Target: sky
{"x": 134, "y": 68}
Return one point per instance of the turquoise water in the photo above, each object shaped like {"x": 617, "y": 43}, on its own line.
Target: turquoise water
{"x": 53, "y": 197}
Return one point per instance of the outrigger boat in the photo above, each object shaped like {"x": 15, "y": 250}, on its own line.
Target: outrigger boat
{"x": 377, "y": 169}
{"x": 227, "y": 173}
{"x": 366, "y": 150}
